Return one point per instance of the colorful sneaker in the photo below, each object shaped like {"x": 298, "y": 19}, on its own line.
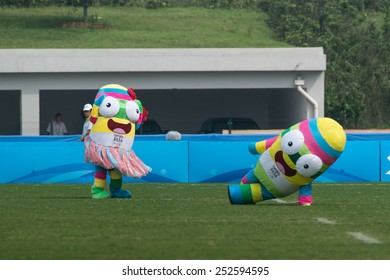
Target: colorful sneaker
{"x": 98, "y": 192}
{"x": 120, "y": 193}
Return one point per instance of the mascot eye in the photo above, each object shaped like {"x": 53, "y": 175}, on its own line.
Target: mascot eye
{"x": 292, "y": 142}
{"x": 132, "y": 111}
{"x": 308, "y": 165}
{"x": 109, "y": 107}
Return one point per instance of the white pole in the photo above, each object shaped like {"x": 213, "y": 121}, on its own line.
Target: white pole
{"x": 311, "y": 100}
{"x": 299, "y": 82}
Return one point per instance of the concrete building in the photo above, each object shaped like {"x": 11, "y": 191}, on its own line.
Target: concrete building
{"x": 180, "y": 87}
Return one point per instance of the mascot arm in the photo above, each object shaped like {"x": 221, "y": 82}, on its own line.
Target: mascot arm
{"x": 305, "y": 197}
{"x": 94, "y": 114}
{"x": 262, "y": 146}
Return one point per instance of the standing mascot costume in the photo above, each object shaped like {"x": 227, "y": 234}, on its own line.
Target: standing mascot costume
{"x": 116, "y": 114}
{"x": 290, "y": 162}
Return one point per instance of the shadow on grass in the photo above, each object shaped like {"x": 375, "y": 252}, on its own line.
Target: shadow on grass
{"x": 64, "y": 197}
{"x": 268, "y": 204}
{"x": 47, "y": 22}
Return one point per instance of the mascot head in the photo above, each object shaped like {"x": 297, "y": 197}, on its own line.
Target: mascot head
{"x": 116, "y": 115}
{"x": 305, "y": 150}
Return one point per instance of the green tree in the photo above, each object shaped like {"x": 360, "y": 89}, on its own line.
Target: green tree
{"x": 84, "y": 4}
{"x": 357, "y": 49}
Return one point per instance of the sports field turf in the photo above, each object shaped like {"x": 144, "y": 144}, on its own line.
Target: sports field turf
{"x": 192, "y": 221}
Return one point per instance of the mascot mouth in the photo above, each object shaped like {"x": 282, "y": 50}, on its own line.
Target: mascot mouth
{"x": 118, "y": 127}
{"x": 283, "y": 166}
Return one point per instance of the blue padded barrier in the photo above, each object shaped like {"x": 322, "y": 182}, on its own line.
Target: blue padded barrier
{"x": 385, "y": 161}
{"x": 219, "y": 161}
{"x": 197, "y": 158}
{"x": 360, "y": 162}
{"x": 63, "y": 162}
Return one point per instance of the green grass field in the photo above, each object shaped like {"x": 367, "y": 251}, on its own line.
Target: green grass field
{"x": 191, "y": 221}
{"x": 129, "y": 27}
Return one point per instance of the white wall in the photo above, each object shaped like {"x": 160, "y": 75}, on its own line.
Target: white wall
{"x": 258, "y": 75}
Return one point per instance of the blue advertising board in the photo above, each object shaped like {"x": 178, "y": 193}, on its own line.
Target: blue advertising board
{"x": 230, "y": 161}
{"x": 168, "y": 160}
{"x": 219, "y": 161}
{"x": 359, "y": 162}
{"x": 43, "y": 162}
{"x": 385, "y": 161}
{"x": 61, "y": 160}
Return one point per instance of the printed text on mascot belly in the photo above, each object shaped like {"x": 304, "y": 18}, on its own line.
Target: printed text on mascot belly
{"x": 117, "y": 140}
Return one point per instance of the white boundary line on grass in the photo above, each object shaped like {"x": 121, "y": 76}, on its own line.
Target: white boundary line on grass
{"x": 363, "y": 237}
{"x": 356, "y": 234}
{"x": 326, "y": 221}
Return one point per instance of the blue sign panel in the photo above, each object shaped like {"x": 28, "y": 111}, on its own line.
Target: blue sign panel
{"x": 358, "y": 163}
{"x": 385, "y": 161}
{"x": 168, "y": 160}
{"x": 43, "y": 162}
{"x": 63, "y": 162}
{"x": 219, "y": 161}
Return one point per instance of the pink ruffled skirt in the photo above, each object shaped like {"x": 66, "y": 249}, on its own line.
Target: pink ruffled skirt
{"x": 126, "y": 162}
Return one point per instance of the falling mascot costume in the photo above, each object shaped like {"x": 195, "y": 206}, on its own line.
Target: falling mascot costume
{"x": 290, "y": 162}
{"x": 116, "y": 114}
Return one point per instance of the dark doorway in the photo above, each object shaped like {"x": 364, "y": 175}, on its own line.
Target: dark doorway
{"x": 67, "y": 102}
{"x": 10, "y": 112}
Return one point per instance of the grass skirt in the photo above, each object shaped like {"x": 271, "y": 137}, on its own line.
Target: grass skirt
{"x": 126, "y": 162}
